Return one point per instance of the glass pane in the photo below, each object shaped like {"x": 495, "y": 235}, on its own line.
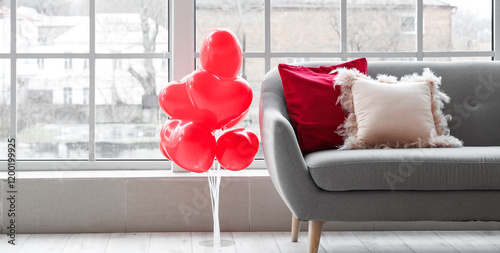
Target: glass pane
{"x": 4, "y": 26}
{"x": 305, "y": 26}
{"x": 4, "y": 106}
{"x": 52, "y": 108}
{"x": 253, "y": 71}
{"x": 243, "y": 18}
{"x": 134, "y": 26}
{"x": 127, "y": 110}
{"x": 52, "y": 26}
{"x": 381, "y": 26}
{"x": 457, "y": 25}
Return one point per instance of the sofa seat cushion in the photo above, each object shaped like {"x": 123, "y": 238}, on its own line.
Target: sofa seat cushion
{"x": 467, "y": 168}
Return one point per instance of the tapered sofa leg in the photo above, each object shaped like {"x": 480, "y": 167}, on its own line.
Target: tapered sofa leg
{"x": 295, "y": 228}
{"x": 314, "y": 234}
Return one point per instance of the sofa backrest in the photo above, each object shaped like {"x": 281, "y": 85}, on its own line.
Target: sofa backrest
{"x": 474, "y": 89}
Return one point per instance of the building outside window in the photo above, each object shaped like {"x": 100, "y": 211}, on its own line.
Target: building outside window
{"x": 117, "y": 64}
{"x": 68, "y": 63}
{"x": 408, "y": 24}
{"x": 85, "y": 96}
{"x": 67, "y": 96}
{"x": 41, "y": 64}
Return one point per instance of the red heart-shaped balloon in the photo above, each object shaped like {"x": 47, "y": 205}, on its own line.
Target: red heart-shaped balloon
{"x": 236, "y": 149}
{"x": 162, "y": 149}
{"x": 235, "y": 122}
{"x": 221, "y": 54}
{"x": 225, "y": 99}
{"x": 162, "y": 141}
{"x": 175, "y": 101}
{"x": 190, "y": 145}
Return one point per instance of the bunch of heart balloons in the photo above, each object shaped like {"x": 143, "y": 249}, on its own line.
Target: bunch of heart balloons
{"x": 209, "y": 99}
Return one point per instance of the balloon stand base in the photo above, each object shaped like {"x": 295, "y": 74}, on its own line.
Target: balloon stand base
{"x": 214, "y": 178}
{"x": 211, "y": 244}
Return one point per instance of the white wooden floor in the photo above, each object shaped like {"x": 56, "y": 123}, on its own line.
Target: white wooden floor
{"x": 261, "y": 242}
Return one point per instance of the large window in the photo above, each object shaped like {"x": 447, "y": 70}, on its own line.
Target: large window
{"x": 294, "y": 31}
{"x": 80, "y": 78}
{"x": 86, "y": 75}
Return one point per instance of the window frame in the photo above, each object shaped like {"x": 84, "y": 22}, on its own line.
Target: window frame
{"x": 182, "y": 56}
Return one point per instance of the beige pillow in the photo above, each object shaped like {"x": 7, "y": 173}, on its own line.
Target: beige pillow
{"x": 387, "y": 113}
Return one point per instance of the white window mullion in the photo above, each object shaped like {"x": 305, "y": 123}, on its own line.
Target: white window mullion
{"x": 13, "y": 70}
{"x": 182, "y": 26}
{"x": 92, "y": 91}
{"x": 420, "y": 30}
{"x": 267, "y": 35}
{"x": 343, "y": 29}
{"x": 496, "y": 30}
{"x": 183, "y": 38}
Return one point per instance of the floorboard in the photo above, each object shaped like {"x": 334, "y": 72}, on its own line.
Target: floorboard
{"x": 383, "y": 242}
{"x": 45, "y": 243}
{"x": 285, "y": 244}
{"x": 170, "y": 243}
{"x": 128, "y": 242}
{"x": 86, "y": 243}
{"x": 5, "y": 246}
{"x": 425, "y": 241}
{"x": 248, "y": 242}
{"x": 467, "y": 241}
{"x": 199, "y": 241}
{"x": 342, "y": 242}
{"x": 491, "y": 236}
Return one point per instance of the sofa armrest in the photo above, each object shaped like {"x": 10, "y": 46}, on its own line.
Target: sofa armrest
{"x": 284, "y": 159}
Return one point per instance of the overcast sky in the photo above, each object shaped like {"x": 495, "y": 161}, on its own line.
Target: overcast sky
{"x": 475, "y": 6}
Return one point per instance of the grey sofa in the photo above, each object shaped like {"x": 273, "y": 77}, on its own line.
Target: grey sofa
{"x": 446, "y": 184}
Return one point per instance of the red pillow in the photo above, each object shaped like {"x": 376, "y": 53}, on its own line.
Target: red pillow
{"x": 312, "y": 103}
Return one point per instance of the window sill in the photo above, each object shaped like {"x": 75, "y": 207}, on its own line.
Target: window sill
{"x": 100, "y": 174}
{"x": 116, "y": 165}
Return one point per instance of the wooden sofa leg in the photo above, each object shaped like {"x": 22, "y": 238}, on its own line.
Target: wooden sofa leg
{"x": 314, "y": 234}
{"x": 295, "y": 228}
